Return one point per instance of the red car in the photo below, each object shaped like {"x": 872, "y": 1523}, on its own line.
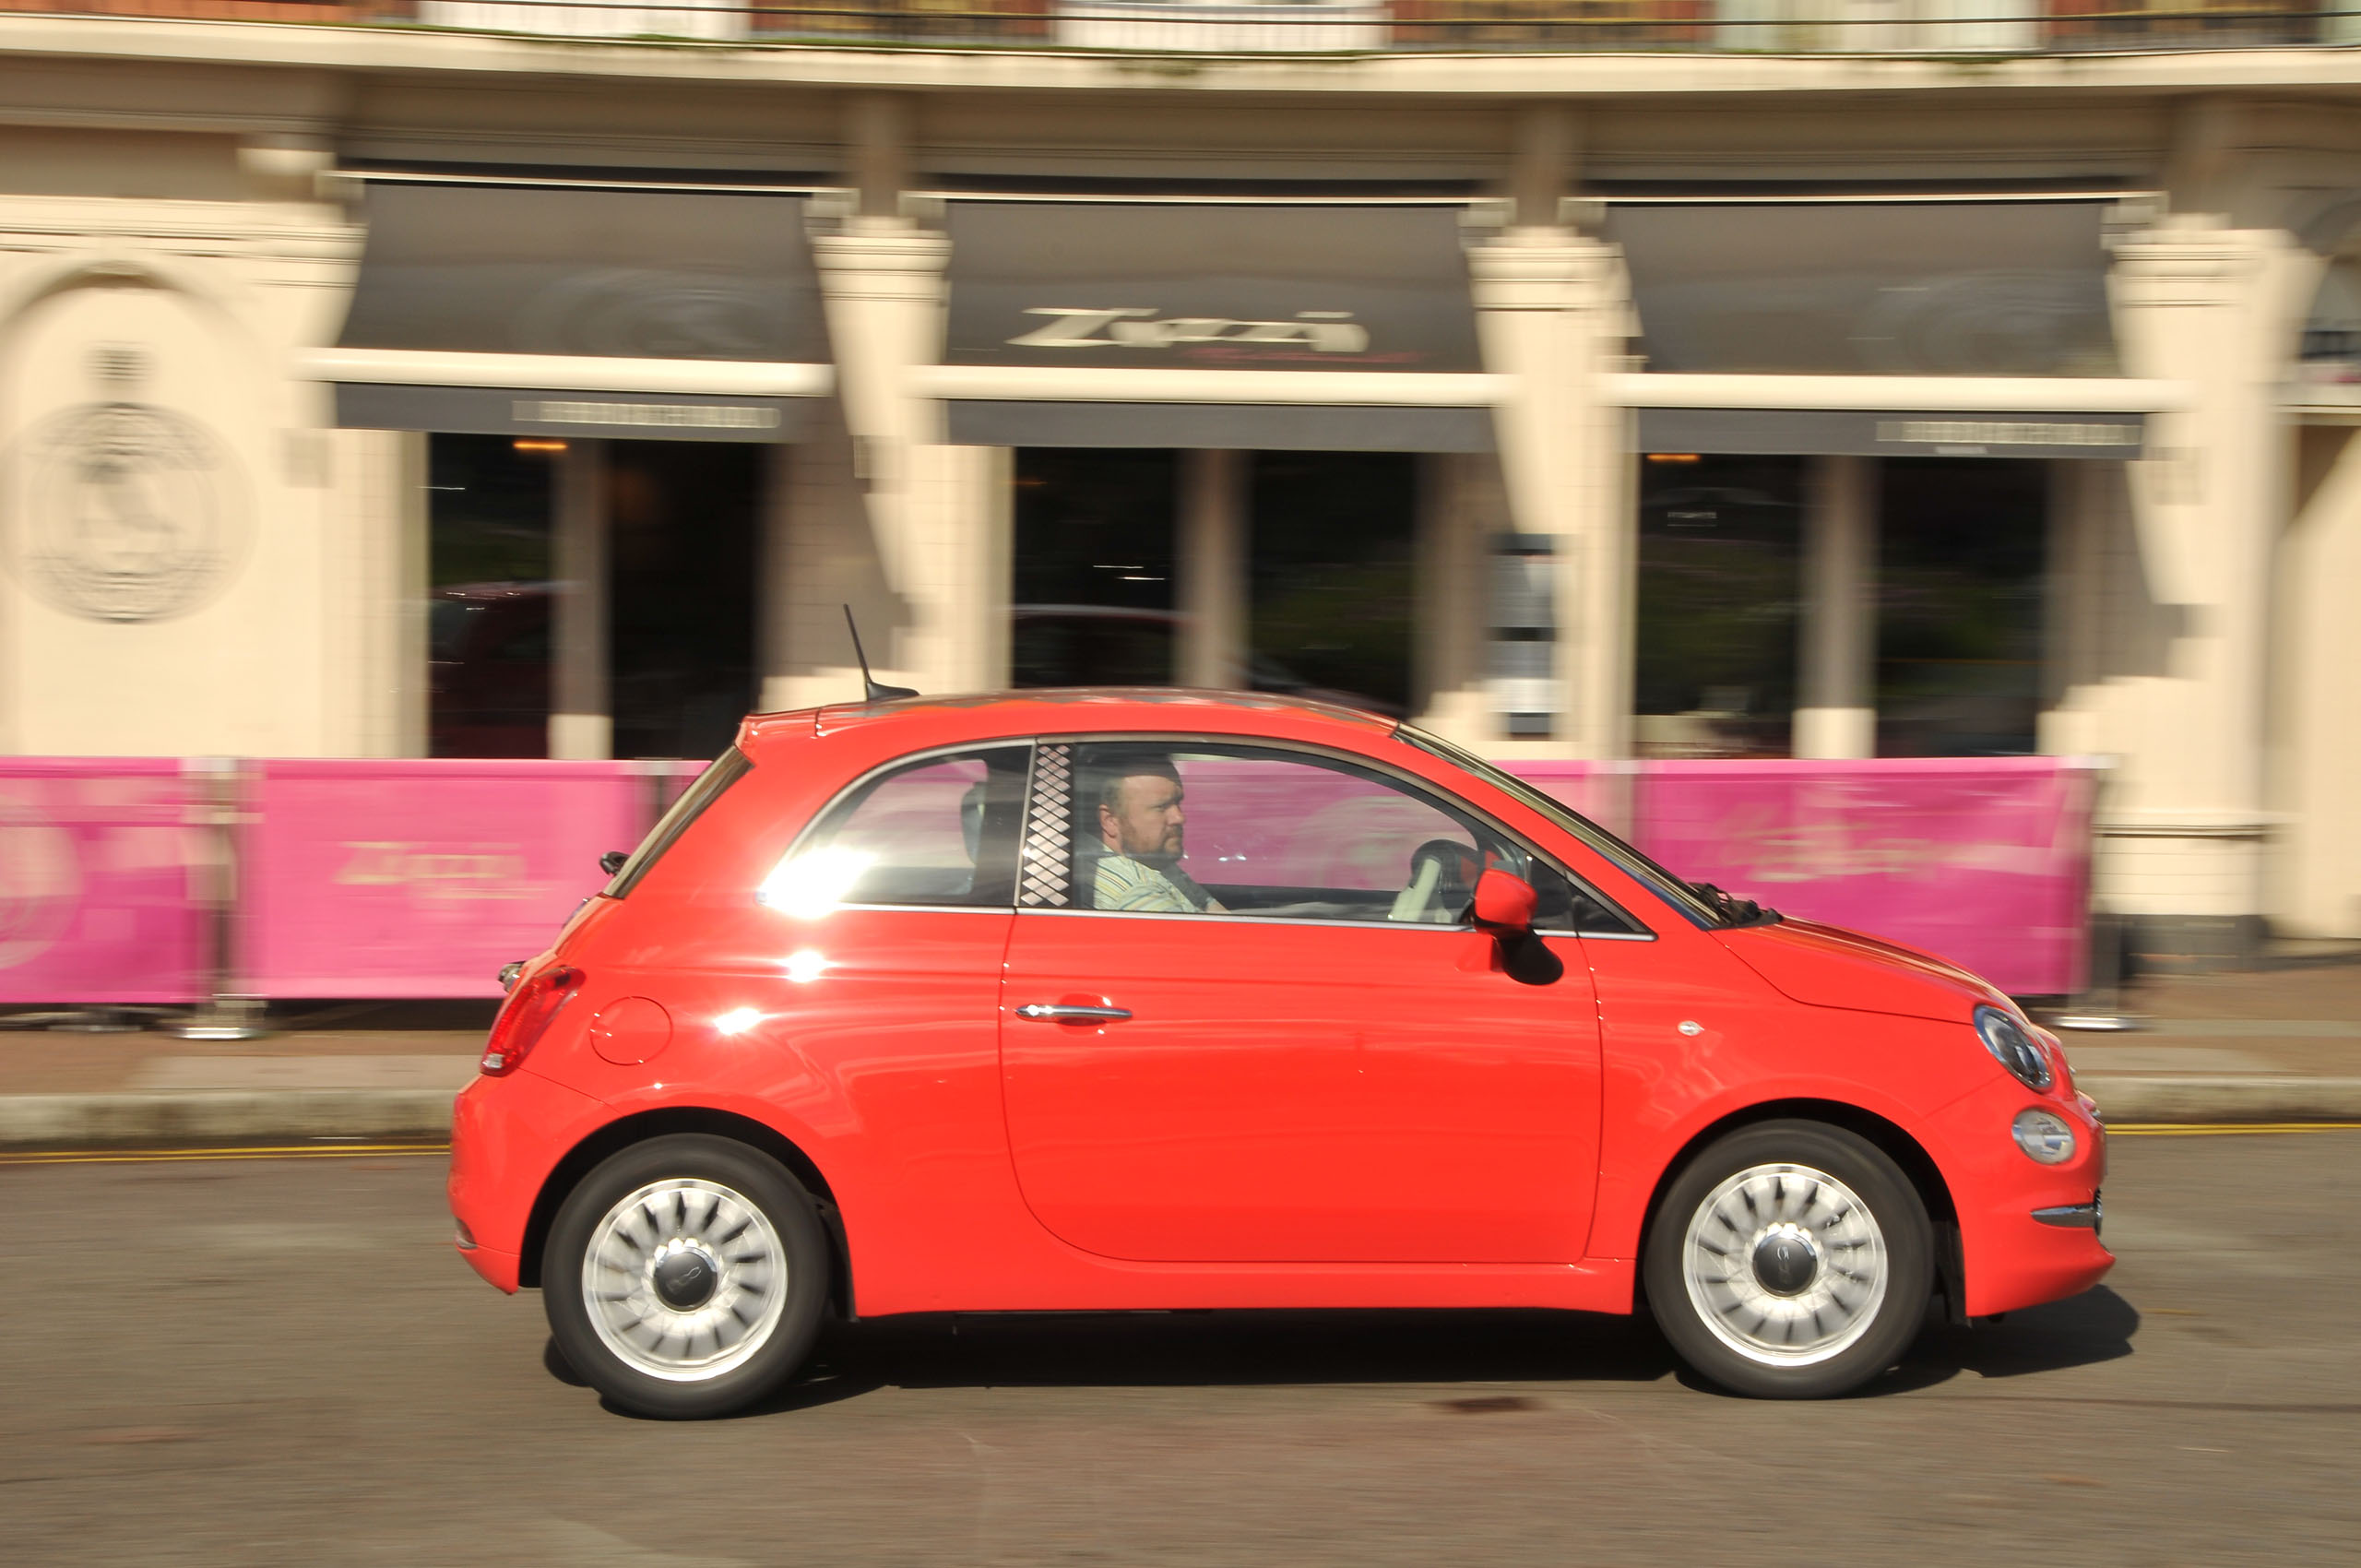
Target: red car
{"x": 1112, "y": 1000}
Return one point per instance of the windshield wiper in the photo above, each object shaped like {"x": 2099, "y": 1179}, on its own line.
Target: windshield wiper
{"x": 1733, "y": 910}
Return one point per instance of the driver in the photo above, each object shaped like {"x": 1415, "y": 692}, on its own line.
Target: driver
{"x": 1138, "y": 804}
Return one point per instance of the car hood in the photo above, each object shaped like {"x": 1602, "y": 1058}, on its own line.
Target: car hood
{"x": 1826, "y": 966}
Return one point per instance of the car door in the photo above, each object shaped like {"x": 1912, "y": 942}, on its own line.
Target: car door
{"x": 1325, "y": 1065}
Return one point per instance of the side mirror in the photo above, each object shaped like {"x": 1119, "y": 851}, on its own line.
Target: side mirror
{"x": 612, "y": 861}
{"x": 1504, "y": 906}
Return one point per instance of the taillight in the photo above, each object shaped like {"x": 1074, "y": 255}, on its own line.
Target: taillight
{"x": 526, "y": 1017}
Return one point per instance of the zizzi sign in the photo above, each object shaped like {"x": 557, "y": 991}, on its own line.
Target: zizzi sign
{"x": 1139, "y": 327}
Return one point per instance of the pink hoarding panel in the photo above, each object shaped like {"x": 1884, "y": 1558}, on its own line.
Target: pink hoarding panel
{"x": 420, "y": 879}
{"x": 1980, "y": 861}
{"x": 96, "y": 857}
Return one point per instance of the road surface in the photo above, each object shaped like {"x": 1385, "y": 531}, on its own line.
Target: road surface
{"x": 282, "y": 1362}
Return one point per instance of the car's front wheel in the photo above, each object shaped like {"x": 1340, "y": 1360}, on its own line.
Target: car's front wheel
{"x": 1790, "y": 1260}
{"x": 686, "y": 1275}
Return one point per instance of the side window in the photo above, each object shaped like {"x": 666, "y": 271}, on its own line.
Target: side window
{"x": 1207, "y": 828}
{"x": 939, "y": 831}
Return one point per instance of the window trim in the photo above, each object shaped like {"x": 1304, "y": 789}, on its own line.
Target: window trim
{"x": 1638, "y": 930}
{"x": 961, "y": 748}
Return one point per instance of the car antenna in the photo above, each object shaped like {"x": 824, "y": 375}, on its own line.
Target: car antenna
{"x": 872, "y": 689}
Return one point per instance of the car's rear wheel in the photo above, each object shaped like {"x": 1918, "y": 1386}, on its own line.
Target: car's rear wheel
{"x": 686, "y": 1275}
{"x": 1790, "y": 1260}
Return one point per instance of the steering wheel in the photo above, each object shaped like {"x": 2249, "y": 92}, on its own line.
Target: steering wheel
{"x": 1442, "y": 884}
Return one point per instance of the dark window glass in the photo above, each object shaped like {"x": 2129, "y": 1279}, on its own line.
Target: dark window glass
{"x": 1332, "y": 549}
{"x": 488, "y": 613}
{"x": 1092, "y": 599}
{"x": 1718, "y": 587}
{"x": 1959, "y": 578}
{"x": 682, "y": 579}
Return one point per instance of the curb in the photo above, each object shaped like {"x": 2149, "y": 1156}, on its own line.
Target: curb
{"x": 74, "y": 1121}
{"x": 77, "y": 1120}
{"x": 2223, "y": 1098}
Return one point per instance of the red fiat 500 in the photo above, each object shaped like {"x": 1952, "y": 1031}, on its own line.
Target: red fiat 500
{"x": 1109, "y": 1000}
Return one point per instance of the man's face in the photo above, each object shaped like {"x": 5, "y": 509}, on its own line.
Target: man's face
{"x": 1145, "y": 819}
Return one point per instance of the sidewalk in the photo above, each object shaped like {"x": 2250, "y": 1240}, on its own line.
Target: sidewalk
{"x": 2278, "y": 1046}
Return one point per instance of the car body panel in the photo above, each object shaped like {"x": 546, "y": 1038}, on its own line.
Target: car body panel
{"x": 1243, "y": 1140}
{"x": 1303, "y": 1093}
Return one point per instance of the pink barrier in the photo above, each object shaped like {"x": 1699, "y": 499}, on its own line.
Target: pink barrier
{"x": 419, "y": 879}
{"x": 97, "y": 855}
{"x": 1981, "y": 861}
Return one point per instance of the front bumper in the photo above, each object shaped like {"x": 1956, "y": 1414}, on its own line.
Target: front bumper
{"x": 2029, "y": 1234}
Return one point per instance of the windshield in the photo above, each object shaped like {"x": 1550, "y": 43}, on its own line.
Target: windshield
{"x": 1696, "y": 906}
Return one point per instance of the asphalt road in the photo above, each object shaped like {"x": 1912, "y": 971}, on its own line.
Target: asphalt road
{"x": 282, "y": 1362}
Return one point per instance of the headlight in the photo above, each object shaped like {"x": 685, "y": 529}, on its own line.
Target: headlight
{"x": 2044, "y": 1135}
{"x": 2013, "y": 1047}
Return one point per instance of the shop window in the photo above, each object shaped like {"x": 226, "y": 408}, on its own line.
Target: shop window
{"x": 1092, "y": 603}
{"x": 681, "y": 606}
{"x": 1720, "y": 557}
{"x": 487, "y": 615}
{"x": 1331, "y": 568}
{"x": 1960, "y": 578}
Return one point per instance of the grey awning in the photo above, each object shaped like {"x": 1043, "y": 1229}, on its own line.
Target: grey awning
{"x": 1378, "y": 287}
{"x": 583, "y": 272}
{"x": 1887, "y": 433}
{"x": 1989, "y": 287}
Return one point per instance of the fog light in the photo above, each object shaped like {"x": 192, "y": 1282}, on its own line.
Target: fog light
{"x": 2044, "y": 1135}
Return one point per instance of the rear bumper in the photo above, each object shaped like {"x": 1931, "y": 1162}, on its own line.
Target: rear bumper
{"x": 507, "y": 1135}
{"x": 2028, "y": 1233}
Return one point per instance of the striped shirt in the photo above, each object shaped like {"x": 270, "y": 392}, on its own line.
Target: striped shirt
{"x": 1123, "y": 883}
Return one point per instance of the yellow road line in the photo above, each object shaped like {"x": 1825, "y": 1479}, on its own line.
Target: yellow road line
{"x": 2222, "y": 1129}
{"x": 274, "y": 1151}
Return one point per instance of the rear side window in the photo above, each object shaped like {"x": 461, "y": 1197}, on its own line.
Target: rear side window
{"x": 708, "y": 787}
{"x": 935, "y": 831}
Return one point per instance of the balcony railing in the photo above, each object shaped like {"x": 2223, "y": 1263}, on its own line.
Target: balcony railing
{"x": 1230, "y": 26}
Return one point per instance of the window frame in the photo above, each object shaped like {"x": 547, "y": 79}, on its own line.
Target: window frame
{"x": 1411, "y": 783}
{"x": 820, "y": 819}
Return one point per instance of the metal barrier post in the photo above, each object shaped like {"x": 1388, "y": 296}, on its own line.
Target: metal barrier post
{"x": 2098, "y": 1007}
{"x": 217, "y": 814}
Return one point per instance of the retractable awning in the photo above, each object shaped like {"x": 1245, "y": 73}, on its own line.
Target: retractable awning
{"x": 1277, "y": 326}
{"x": 1992, "y": 292}
{"x": 581, "y": 310}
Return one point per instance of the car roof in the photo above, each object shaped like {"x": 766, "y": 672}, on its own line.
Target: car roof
{"x": 939, "y": 720}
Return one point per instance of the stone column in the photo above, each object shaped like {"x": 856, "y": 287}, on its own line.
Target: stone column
{"x": 2184, "y": 827}
{"x": 1211, "y": 650}
{"x": 1462, "y": 513}
{"x": 582, "y": 725}
{"x": 1553, "y": 313}
{"x": 931, "y": 508}
{"x": 1836, "y": 664}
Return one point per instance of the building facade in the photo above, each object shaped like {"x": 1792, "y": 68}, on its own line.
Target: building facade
{"x": 385, "y": 392}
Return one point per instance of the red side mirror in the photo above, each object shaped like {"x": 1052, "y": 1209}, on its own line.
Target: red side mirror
{"x": 1504, "y": 902}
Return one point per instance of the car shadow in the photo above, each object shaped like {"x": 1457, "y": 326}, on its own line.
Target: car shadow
{"x": 1213, "y": 1349}
{"x": 1483, "y": 1348}
{"x": 2080, "y": 1331}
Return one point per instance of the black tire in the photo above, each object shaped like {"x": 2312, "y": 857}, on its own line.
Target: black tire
{"x": 1805, "y": 1216}
{"x": 718, "y": 1217}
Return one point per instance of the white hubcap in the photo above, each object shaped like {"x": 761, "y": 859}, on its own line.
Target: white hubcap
{"x": 1785, "y": 1265}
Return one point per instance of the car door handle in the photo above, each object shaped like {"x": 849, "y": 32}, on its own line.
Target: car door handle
{"x": 1063, "y": 1013}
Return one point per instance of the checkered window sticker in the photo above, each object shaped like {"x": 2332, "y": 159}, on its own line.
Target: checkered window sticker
{"x": 1044, "y": 874}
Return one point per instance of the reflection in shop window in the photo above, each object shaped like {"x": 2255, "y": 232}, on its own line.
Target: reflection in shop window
{"x": 1718, "y": 588}
{"x": 488, "y": 610}
{"x": 1092, "y": 599}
